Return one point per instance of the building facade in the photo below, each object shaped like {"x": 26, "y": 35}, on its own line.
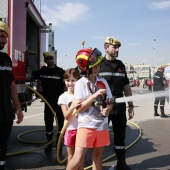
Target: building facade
{"x": 139, "y": 71}
{"x": 142, "y": 71}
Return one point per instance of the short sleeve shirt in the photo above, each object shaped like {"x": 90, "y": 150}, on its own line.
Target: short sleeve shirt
{"x": 158, "y": 79}
{"x": 65, "y": 99}
{"x": 92, "y": 117}
{"x": 115, "y": 74}
{"x": 6, "y": 79}
{"x": 51, "y": 81}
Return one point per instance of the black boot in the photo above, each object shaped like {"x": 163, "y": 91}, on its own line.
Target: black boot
{"x": 156, "y": 111}
{"x": 121, "y": 163}
{"x": 2, "y": 161}
{"x": 2, "y": 167}
{"x": 163, "y": 115}
{"x": 48, "y": 149}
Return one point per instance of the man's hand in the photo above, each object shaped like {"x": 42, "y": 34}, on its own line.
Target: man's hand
{"x": 20, "y": 116}
{"x": 131, "y": 113}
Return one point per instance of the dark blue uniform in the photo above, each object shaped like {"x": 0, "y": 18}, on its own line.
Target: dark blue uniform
{"x": 116, "y": 76}
{"x": 52, "y": 86}
{"x": 158, "y": 85}
{"x": 7, "y": 114}
{"x": 158, "y": 79}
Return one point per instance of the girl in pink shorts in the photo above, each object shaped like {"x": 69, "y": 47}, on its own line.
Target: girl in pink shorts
{"x": 67, "y": 103}
{"x": 92, "y": 129}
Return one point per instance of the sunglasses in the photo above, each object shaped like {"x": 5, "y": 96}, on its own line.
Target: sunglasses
{"x": 94, "y": 56}
{"x": 49, "y": 58}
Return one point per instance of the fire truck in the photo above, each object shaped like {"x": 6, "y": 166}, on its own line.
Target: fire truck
{"x": 29, "y": 38}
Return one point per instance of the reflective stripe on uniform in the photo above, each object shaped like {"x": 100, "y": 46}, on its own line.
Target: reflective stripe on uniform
{"x": 50, "y": 77}
{"x": 2, "y": 162}
{"x": 49, "y": 133}
{"x": 154, "y": 76}
{"x": 119, "y": 147}
{"x": 5, "y": 68}
{"x": 112, "y": 74}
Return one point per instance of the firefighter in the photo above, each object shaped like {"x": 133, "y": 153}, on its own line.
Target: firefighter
{"x": 159, "y": 84}
{"x": 8, "y": 92}
{"x": 51, "y": 78}
{"x": 113, "y": 71}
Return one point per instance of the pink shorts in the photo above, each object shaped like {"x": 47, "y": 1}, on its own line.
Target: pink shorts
{"x": 70, "y": 137}
{"x": 91, "y": 138}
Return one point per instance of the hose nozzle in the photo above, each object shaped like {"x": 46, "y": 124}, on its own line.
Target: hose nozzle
{"x": 100, "y": 102}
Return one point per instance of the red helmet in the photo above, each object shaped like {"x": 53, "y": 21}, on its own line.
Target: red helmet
{"x": 88, "y": 58}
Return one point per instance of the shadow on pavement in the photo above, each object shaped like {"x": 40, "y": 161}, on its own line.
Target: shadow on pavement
{"x": 39, "y": 160}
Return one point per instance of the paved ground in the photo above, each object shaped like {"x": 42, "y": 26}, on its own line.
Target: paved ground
{"x": 151, "y": 151}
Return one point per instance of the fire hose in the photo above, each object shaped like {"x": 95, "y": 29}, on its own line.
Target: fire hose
{"x": 54, "y": 137}
{"x": 97, "y": 102}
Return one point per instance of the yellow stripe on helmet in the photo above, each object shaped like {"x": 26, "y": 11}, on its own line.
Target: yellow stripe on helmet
{"x": 82, "y": 56}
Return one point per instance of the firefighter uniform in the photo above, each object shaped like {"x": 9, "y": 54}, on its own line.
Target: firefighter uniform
{"x": 52, "y": 86}
{"x": 7, "y": 114}
{"x": 116, "y": 76}
{"x": 158, "y": 85}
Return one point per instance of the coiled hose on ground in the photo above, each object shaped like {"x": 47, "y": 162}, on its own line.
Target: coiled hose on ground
{"x": 61, "y": 135}
{"x": 54, "y": 137}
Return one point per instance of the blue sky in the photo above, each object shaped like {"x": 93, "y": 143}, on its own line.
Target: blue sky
{"x": 135, "y": 23}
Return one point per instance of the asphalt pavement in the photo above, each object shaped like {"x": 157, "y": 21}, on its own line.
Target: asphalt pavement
{"x": 150, "y": 152}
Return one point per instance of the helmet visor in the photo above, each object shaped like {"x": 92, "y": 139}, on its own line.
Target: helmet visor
{"x": 94, "y": 56}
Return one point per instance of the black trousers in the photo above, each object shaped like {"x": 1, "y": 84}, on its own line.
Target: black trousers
{"x": 119, "y": 125}
{"x": 160, "y": 100}
{"x": 5, "y": 131}
{"x": 49, "y": 117}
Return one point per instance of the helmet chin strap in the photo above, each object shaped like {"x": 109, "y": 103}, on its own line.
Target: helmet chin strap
{"x": 90, "y": 71}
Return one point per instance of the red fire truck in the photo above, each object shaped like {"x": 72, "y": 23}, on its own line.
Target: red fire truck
{"x": 26, "y": 42}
